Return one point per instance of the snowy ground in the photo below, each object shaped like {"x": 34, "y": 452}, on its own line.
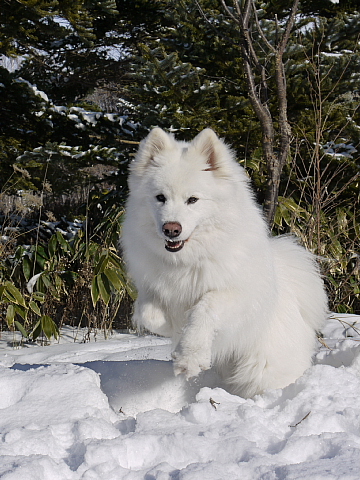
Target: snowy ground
{"x": 112, "y": 410}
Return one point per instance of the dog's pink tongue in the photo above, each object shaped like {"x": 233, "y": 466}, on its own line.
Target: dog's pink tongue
{"x": 174, "y": 246}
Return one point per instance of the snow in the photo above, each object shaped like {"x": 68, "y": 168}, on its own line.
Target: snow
{"x": 112, "y": 409}
{"x": 339, "y": 149}
{"x": 332, "y": 54}
{"x": 34, "y": 88}
{"x": 32, "y": 282}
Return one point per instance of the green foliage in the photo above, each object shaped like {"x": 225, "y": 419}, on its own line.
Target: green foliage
{"x": 24, "y": 313}
{"x": 63, "y": 43}
{"x": 40, "y": 278}
{"x": 173, "y": 89}
{"x": 320, "y": 183}
{"x": 335, "y": 239}
{"x": 62, "y": 165}
{"x": 166, "y": 63}
{"x": 54, "y": 54}
{"x": 92, "y": 137}
{"x": 321, "y": 65}
{"x": 51, "y": 144}
{"x": 108, "y": 277}
{"x": 190, "y": 76}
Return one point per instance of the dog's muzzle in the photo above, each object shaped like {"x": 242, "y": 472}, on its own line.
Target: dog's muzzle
{"x": 173, "y": 230}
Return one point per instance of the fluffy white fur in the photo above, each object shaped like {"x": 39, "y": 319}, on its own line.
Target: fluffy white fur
{"x": 231, "y": 296}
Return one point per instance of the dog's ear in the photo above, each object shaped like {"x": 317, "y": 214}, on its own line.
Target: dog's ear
{"x": 156, "y": 141}
{"x": 205, "y": 144}
{"x": 153, "y": 144}
{"x": 216, "y": 153}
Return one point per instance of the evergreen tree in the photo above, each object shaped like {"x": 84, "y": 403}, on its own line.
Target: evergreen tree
{"x": 190, "y": 77}
{"x": 200, "y": 36}
{"x": 63, "y": 51}
{"x": 57, "y": 142}
{"x": 179, "y": 65}
{"x": 63, "y": 44}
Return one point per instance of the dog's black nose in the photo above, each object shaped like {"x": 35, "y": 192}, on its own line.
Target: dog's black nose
{"x": 172, "y": 229}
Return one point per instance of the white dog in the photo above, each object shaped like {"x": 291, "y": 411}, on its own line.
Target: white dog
{"x": 208, "y": 273}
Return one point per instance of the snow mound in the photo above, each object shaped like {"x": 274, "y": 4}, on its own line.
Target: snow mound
{"x": 113, "y": 410}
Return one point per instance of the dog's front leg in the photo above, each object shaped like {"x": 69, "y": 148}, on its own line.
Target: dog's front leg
{"x": 149, "y": 315}
{"x": 194, "y": 351}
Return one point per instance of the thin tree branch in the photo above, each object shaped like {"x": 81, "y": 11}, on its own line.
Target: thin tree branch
{"x": 244, "y": 17}
{"x": 260, "y": 30}
{"x": 288, "y": 28}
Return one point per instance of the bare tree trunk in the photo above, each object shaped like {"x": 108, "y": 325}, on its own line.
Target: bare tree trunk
{"x": 275, "y": 143}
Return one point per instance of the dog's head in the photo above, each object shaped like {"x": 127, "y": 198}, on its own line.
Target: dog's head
{"x": 184, "y": 184}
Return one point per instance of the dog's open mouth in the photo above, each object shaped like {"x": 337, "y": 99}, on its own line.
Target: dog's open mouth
{"x": 174, "y": 246}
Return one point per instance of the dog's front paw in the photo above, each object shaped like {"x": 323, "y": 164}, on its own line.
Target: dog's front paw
{"x": 190, "y": 365}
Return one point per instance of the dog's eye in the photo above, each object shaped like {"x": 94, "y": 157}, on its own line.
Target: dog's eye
{"x": 160, "y": 198}
{"x": 191, "y": 200}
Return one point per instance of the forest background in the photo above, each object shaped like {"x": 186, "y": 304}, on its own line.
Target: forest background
{"x": 82, "y": 82}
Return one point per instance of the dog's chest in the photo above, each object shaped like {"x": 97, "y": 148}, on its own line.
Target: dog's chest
{"x": 181, "y": 287}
